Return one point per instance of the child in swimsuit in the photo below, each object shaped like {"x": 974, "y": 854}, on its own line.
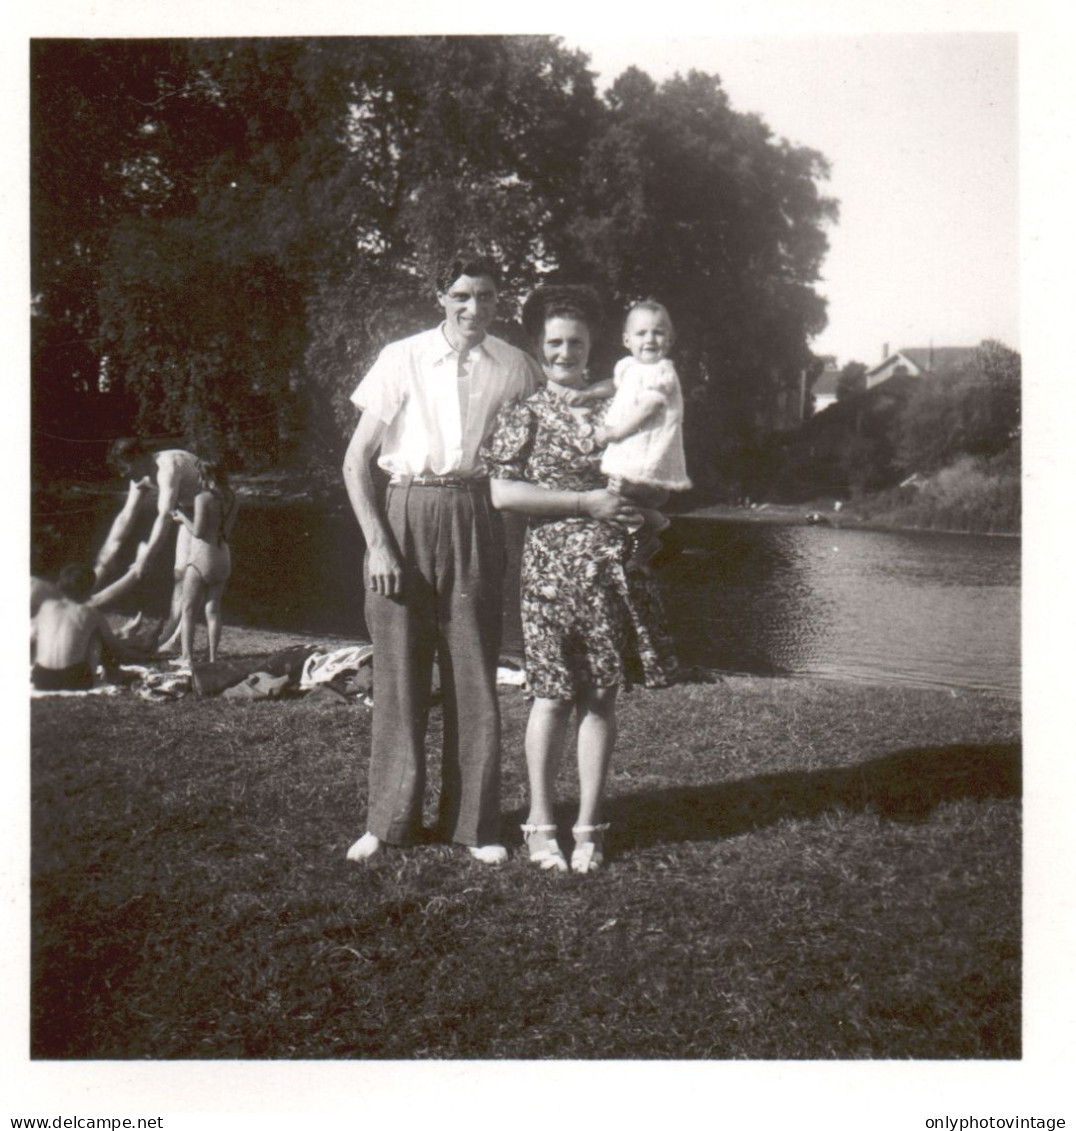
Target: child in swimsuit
{"x": 208, "y": 563}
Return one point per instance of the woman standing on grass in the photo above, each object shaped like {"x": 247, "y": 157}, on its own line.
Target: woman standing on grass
{"x": 209, "y": 561}
{"x": 589, "y": 623}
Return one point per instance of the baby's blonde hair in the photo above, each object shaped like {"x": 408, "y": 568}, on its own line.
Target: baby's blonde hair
{"x": 654, "y": 307}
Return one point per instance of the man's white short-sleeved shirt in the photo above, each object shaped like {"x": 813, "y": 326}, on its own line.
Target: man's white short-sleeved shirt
{"x": 437, "y": 419}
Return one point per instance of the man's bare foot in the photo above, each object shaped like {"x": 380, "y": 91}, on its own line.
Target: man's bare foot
{"x": 129, "y": 627}
{"x": 169, "y": 646}
{"x": 366, "y": 846}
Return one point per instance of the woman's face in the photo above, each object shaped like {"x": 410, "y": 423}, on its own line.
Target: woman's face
{"x": 565, "y": 350}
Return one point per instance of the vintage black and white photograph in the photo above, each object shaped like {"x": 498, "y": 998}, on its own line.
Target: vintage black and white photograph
{"x": 526, "y": 545}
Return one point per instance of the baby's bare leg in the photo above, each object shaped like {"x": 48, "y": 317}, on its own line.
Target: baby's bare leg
{"x": 647, "y": 499}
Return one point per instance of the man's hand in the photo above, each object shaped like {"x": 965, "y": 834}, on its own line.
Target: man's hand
{"x": 385, "y": 571}
{"x": 600, "y": 391}
{"x": 141, "y": 562}
{"x": 576, "y": 397}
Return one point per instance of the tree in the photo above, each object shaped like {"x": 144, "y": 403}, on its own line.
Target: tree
{"x": 227, "y": 231}
{"x": 974, "y": 411}
{"x": 147, "y": 252}
{"x": 852, "y": 380}
{"x": 87, "y": 101}
{"x": 490, "y": 164}
{"x": 691, "y": 202}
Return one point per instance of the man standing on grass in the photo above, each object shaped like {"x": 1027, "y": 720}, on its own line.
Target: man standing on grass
{"x": 435, "y": 562}
{"x": 176, "y": 477}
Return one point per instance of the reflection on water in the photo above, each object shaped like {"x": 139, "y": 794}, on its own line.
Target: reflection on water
{"x": 915, "y": 607}
{"x": 921, "y": 608}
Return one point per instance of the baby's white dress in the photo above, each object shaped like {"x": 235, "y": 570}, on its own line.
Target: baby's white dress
{"x": 654, "y": 455}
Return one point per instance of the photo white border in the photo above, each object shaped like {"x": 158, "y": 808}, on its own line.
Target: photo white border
{"x": 625, "y": 1094}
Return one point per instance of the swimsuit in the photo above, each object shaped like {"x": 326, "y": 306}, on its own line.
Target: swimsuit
{"x": 212, "y": 560}
{"x": 77, "y": 677}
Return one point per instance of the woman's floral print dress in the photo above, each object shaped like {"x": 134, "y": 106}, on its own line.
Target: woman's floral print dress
{"x": 587, "y": 620}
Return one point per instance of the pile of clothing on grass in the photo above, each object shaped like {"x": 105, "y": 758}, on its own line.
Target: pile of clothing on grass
{"x": 338, "y": 676}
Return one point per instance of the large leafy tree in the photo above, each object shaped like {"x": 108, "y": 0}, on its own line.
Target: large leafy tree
{"x": 226, "y": 231}
{"x": 204, "y": 313}
{"x": 490, "y": 162}
{"x": 691, "y": 202}
{"x": 89, "y": 100}
{"x": 159, "y": 245}
{"x": 972, "y": 412}
{"x": 852, "y": 380}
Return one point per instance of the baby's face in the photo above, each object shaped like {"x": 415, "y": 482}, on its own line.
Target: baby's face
{"x": 648, "y": 336}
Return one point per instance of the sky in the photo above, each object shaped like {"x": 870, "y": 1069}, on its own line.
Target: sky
{"x": 921, "y": 133}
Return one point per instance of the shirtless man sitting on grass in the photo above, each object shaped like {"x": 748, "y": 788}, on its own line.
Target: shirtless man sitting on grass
{"x": 69, "y": 637}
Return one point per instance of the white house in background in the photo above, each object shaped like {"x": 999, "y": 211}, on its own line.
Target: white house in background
{"x": 915, "y": 362}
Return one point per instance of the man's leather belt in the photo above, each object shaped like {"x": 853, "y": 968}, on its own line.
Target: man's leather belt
{"x": 458, "y": 481}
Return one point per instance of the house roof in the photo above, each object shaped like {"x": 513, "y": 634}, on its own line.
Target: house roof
{"x": 936, "y": 359}
{"x": 930, "y": 359}
{"x": 878, "y": 398}
{"x": 825, "y": 384}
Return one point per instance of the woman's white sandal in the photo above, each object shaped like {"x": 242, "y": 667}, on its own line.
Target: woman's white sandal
{"x": 587, "y": 855}
{"x": 549, "y": 856}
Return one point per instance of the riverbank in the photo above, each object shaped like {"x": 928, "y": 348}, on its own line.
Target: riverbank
{"x": 887, "y": 511}
{"x": 798, "y": 869}
{"x": 847, "y": 518}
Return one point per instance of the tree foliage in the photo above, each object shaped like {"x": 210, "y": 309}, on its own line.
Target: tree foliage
{"x": 226, "y": 231}
{"x": 852, "y": 379}
{"x": 972, "y": 412}
{"x": 687, "y": 200}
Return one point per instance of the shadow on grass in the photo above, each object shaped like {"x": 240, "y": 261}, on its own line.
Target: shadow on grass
{"x": 904, "y": 786}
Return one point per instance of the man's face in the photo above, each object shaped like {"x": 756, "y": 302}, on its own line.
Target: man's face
{"x": 469, "y": 305}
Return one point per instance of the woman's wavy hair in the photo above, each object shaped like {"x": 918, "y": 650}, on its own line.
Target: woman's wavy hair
{"x": 213, "y": 476}
{"x": 557, "y": 300}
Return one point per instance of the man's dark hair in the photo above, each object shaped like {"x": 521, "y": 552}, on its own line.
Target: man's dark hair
{"x": 129, "y": 455}
{"x": 76, "y": 581}
{"x": 466, "y": 263}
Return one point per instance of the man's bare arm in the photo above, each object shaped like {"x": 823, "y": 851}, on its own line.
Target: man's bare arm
{"x": 386, "y": 572}
{"x": 118, "y": 531}
{"x": 167, "y": 500}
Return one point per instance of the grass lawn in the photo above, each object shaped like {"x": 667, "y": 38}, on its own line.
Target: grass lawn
{"x": 798, "y": 869}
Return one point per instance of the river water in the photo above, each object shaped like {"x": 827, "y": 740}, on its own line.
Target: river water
{"x": 919, "y": 608}
{"x": 912, "y": 607}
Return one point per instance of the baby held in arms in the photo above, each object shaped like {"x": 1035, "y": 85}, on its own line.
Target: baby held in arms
{"x": 643, "y": 429}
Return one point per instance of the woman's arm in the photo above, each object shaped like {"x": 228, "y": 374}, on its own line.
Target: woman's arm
{"x": 649, "y": 405}
{"x": 599, "y": 391}
{"x": 545, "y": 502}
